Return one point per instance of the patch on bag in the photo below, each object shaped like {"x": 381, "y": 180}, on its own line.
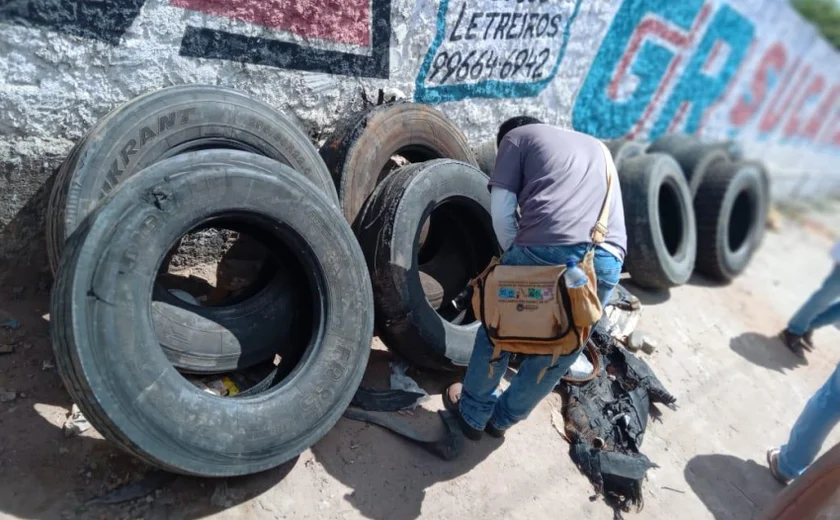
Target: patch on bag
{"x": 507, "y": 293}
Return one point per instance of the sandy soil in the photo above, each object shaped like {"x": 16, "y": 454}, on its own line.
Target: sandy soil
{"x": 739, "y": 391}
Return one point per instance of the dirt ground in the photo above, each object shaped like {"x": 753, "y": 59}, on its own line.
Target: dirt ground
{"x": 739, "y": 391}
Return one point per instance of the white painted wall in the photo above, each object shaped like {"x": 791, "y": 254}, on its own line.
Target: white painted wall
{"x": 60, "y": 72}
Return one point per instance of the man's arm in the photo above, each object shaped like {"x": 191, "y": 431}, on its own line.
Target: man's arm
{"x": 503, "y": 211}
{"x": 505, "y": 183}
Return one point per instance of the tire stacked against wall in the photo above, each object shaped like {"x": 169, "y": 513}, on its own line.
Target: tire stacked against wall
{"x": 689, "y": 206}
{"x": 197, "y": 159}
{"x": 408, "y": 181}
{"x": 236, "y": 378}
{"x": 731, "y": 200}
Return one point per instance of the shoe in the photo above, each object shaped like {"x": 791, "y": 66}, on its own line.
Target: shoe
{"x": 492, "y": 431}
{"x": 808, "y": 338}
{"x": 794, "y": 342}
{"x": 773, "y": 464}
{"x": 451, "y": 397}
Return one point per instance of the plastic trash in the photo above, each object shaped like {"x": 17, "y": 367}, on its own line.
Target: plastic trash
{"x": 401, "y": 381}
{"x": 581, "y": 368}
{"x": 76, "y": 424}
{"x": 184, "y": 296}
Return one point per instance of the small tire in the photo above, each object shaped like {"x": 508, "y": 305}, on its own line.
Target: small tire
{"x": 106, "y": 349}
{"x": 662, "y": 244}
{"x": 731, "y": 217}
{"x": 460, "y": 245}
{"x": 359, "y": 151}
{"x": 622, "y": 149}
{"x": 165, "y": 123}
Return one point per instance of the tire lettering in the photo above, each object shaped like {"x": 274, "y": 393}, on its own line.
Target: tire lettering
{"x": 185, "y": 115}
{"x": 166, "y": 122}
{"x": 146, "y": 135}
{"x": 128, "y": 149}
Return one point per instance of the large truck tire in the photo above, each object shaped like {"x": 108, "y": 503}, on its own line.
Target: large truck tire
{"x": 460, "y": 244}
{"x": 106, "y": 349}
{"x": 359, "y": 153}
{"x": 162, "y": 124}
{"x": 695, "y": 158}
{"x": 661, "y": 229}
{"x": 731, "y": 209}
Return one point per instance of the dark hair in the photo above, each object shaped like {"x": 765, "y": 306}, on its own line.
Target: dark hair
{"x": 514, "y": 122}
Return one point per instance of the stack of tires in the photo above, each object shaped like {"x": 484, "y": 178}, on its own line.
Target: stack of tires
{"x": 689, "y": 206}
{"x": 293, "y": 343}
{"x": 424, "y": 227}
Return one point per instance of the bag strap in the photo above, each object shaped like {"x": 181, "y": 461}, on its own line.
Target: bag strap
{"x": 599, "y": 232}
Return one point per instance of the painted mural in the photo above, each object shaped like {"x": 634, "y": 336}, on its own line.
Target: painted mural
{"x": 495, "y": 49}
{"x": 745, "y": 69}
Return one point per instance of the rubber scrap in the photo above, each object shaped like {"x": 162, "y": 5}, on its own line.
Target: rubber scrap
{"x": 146, "y": 485}
{"x": 448, "y": 446}
{"x": 385, "y": 400}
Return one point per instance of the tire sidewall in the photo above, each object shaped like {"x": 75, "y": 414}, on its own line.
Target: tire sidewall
{"x": 436, "y": 183}
{"x": 676, "y": 267}
{"x": 154, "y": 409}
{"x": 746, "y": 179}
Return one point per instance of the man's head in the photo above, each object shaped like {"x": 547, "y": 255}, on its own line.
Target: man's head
{"x": 514, "y": 122}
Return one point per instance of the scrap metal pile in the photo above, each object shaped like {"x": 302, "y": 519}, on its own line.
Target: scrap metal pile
{"x": 242, "y": 369}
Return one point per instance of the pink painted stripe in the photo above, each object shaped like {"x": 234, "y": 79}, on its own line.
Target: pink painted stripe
{"x": 341, "y": 21}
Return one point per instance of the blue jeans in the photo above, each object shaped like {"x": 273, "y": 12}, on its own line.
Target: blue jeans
{"x": 479, "y": 401}
{"x": 821, "y": 309}
{"x": 820, "y": 415}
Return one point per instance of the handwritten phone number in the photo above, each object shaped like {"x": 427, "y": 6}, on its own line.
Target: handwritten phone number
{"x": 456, "y": 67}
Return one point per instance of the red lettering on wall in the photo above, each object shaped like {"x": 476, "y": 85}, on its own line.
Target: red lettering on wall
{"x": 777, "y": 109}
{"x": 821, "y": 115}
{"x": 792, "y": 126}
{"x": 773, "y": 60}
{"x": 342, "y": 21}
{"x": 678, "y": 38}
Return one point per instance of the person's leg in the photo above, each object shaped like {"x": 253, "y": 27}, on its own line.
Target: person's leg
{"x": 526, "y": 392}
{"x": 478, "y": 393}
{"x": 812, "y": 427}
{"x": 828, "y": 317}
{"x": 818, "y": 303}
{"x": 608, "y": 271}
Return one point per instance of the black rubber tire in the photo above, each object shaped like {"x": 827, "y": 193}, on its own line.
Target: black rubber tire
{"x": 215, "y": 117}
{"x": 661, "y": 229}
{"x": 388, "y": 232}
{"x": 167, "y": 122}
{"x": 106, "y": 349}
{"x": 213, "y": 340}
{"x": 359, "y": 150}
{"x": 694, "y": 157}
{"x": 622, "y": 149}
{"x": 669, "y": 143}
{"x": 731, "y": 209}
{"x": 733, "y": 149}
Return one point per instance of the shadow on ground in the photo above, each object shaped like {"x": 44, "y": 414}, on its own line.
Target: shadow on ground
{"x": 647, "y": 296}
{"x": 765, "y": 351}
{"x": 389, "y": 475}
{"x": 731, "y": 488}
{"x": 45, "y": 474}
